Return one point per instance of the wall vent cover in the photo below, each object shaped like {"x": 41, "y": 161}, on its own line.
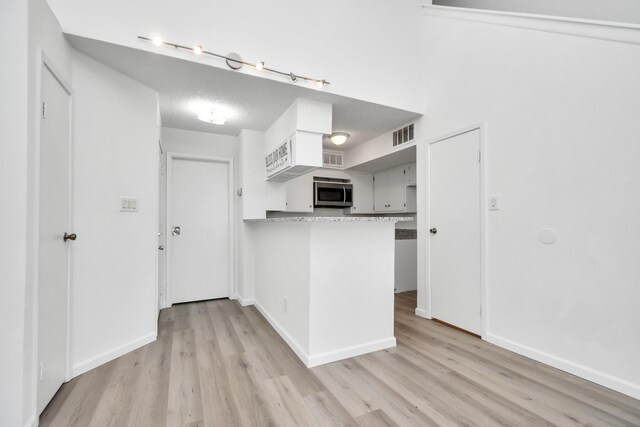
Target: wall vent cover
{"x": 404, "y": 135}
{"x": 332, "y": 159}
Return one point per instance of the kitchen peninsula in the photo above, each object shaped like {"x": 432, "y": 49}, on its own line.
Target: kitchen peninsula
{"x": 326, "y": 284}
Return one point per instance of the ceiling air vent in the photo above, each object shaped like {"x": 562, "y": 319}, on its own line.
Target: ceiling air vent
{"x": 403, "y": 135}
{"x": 332, "y": 159}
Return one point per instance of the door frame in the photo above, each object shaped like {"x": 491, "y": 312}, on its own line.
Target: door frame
{"x": 426, "y": 243}
{"x": 174, "y": 155}
{"x": 45, "y": 63}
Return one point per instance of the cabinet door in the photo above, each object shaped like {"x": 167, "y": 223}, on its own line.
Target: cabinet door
{"x": 397, "y": 189}
{"x": 362, "y": 193}
{"x": 300, "y": 194}
{"x": 410, "y": 176}
{"x": 381, "y": 191}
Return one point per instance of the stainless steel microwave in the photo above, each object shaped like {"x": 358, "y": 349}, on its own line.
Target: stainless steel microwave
{"x": 329, "y": 194}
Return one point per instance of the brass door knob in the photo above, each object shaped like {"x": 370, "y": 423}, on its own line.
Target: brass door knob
{"x": 71, "y": 236}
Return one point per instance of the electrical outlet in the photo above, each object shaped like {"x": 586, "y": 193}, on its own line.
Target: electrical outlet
{"x": 286, "y": 304}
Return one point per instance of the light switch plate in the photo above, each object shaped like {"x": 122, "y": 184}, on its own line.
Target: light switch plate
{"x": 128, "y": 204}
{"x": 492, "y": 203}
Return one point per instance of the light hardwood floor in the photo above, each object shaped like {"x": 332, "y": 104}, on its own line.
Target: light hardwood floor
{"x": 216, "y": 363}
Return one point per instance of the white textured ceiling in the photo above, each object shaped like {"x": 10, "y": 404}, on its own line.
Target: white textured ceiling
{"x": 253, "y": 102}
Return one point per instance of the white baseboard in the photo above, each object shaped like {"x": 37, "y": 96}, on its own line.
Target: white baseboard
{"x": 582, "y": 371}
{"x": 328, "y": 357}
{"x": 345, "y": 353}
{"x": 422, "y": 313}
{"x": 245, "y": 301}
{"x": 297, "y": 348}
{"x": 32, "y": 422}
{"x": 107, "y": 356}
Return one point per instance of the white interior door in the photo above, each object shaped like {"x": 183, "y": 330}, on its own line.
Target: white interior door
{"x": 53, "y": 255}
{"x": 455, "y": 219}
{"x": 200, "y": 230}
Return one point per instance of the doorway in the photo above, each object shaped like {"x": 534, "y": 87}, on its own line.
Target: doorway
{"x": 199, "y": 233}
{"x": 455, "y": 231}
{"x": 54, "y": 236}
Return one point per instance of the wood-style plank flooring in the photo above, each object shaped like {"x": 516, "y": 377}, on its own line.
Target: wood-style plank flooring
{"x": 216, "y": 363}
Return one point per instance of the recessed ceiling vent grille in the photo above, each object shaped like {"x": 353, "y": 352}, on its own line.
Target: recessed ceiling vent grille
{"x": 402, "y": 136}
{"x": 332, "y": 159}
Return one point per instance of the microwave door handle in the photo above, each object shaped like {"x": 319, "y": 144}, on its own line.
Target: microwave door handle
{"x": 344, "y": 191}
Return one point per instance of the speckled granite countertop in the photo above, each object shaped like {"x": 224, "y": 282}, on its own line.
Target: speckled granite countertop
{"x": 334, "y": 219}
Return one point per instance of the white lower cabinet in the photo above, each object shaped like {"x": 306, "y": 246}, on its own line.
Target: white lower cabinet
{"x": 391, "y": 192}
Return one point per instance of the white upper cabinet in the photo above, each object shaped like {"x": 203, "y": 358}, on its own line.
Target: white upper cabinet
{"x": 392, "y": 192}
{"x": 362, "y": 193}
{"x": 293, "y": 143}
{"x": 411, "y": 176}
{"x": 381, "y": 191}
{"x": 300, "y": 194}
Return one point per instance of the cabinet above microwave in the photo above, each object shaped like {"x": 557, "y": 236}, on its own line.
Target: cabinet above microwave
{"x": 297, "y": 155}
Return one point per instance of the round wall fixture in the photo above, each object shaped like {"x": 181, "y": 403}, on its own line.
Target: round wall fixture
{"x": 234, "y": 61}
{"x": 548, "y": 236}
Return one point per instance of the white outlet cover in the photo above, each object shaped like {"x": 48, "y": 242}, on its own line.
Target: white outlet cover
{"x": 492, "y": 203}
{"x": 128, "y": 204}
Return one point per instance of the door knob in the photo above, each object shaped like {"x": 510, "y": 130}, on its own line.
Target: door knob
{"x": 161, "y": 248}
{"x": 175, "y": 231}
{"x": 433, "y": 231}
{"x": 71, "y": 236}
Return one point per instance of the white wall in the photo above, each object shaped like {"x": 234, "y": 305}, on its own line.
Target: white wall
{"x": 282, "y": 270}
{"x": 334, "y": 309}
{"x": 381, "y": 145}
{"x": 602, "y": 10}
{"x": 351, "y": 289}
{"x": 209, "y": 144}
{"x": 114, "y": 267}
{"x": 252, "y": 206}
{"x": 406, "y": 267}
{"x": 562, "y": 117}
{"x": 27, "y": 29}
{"x": 13, "y": 187}
{"x": 253, "y": 174}
{"x": 361, "y": 47}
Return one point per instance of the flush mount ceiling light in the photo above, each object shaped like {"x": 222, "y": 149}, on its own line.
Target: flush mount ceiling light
{"x": 209, "y": 111}
{"x": 234, "y": 61}
{"x": 339, "y": 138}
{"x": 213, "y": 116}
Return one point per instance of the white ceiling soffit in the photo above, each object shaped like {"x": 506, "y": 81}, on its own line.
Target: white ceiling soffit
{"x": 252, "y": 102}
{"x": 397, "y": 158}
